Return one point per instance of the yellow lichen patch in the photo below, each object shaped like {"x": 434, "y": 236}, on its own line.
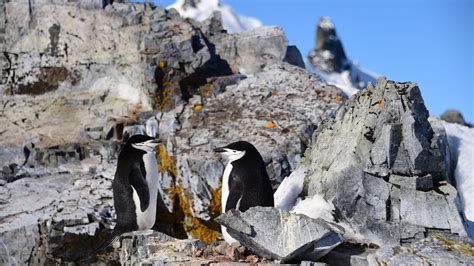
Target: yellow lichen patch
{"x": 461, "y": 247}
{"x": 339, "y": 99}
{"x": 198, "y": 107}
{"x": 216, "y": 201}
{"x": 182, "y": 218}
{"x": 379, "y": 104}
{"x": 271, "y": 125}
{"x": 166, "y": 163}
{"x": 197, "y": 228}
{"x": 163, "y": 63}
{"x": 164, "y": 97}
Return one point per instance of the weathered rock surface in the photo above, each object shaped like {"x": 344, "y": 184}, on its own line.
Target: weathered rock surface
{"x": 436, "y": 249}
{"x": 78, "y": 77}
{"x": 277, "y": 234}
{"x": 383, "y": 167}
{"x": 276, "y": 110}
{"x": 58, "y": 215}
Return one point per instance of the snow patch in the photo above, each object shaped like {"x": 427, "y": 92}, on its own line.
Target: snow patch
{"x": 326, "y": 23}
{"x": 287, "y": 193}
{"x": 461, "y": 147}
{"x": 204, "y": 9}
{"x": 315, "y": 207}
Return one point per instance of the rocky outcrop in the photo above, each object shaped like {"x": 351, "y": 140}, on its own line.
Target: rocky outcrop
{"x": 279, "y": 235}
{"x": 276, "y": 110}
{"x": 328, "y": 55}
{"x": 383, "y": 167}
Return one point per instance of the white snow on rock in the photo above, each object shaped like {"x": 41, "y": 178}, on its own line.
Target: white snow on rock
{"x": 314, "y": 207}
{"x": 287, "y": 193}
{"x": 204, "y": 9}
{"x": 286, "y": 197}
{"x": 326, "y": 23}
{"x": 461, "y": 146}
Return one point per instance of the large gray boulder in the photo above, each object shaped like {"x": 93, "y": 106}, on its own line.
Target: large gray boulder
{"x": 383, "y": 166}
{"x": 277, "y": 234}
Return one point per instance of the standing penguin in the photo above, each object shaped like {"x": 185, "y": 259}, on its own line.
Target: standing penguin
{"x": 135, "y": 188}
{"x": 245, "y": 181}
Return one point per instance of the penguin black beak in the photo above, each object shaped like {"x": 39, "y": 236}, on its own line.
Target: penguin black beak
{"x": 221, "y": 149}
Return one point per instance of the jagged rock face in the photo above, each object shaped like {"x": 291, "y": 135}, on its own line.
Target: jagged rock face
{"x": 276, "y": 110}
{"x": 328, "y": 55}
{"x": 382, "y": 165}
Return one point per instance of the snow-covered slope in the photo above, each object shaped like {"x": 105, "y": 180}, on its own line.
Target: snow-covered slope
{"x": 461, "y": 146}
{"x": 203, "y": 9}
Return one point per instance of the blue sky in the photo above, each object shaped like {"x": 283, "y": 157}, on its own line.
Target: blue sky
{"x": 428, "y": 42}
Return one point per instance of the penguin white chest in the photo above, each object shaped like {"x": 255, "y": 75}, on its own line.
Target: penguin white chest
{"x": 225, "y": 195}
{"x": 146, "y": 219}
{"x": 225, "y": 186}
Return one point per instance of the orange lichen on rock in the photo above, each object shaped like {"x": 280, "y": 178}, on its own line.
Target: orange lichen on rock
{"x": 275, "y": 93}
{"x": 339, "y": 99}
{"x": 317, "y": 90}
{"x": 198, "y": 107}
{"x": 271, "y": 125}
{"x": 379, "y": 104}
{"x": 163, "y": 63}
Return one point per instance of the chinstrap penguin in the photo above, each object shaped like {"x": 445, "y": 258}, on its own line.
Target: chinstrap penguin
{"x": 135, "y": 187}
{"x": 245, "y": 182}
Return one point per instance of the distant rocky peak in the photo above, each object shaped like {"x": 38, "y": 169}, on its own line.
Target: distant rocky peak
{"x": 329, "y": 55}
{"x": 328, "y": 59}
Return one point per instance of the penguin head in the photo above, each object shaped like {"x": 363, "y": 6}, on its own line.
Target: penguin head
{"x": 142, "y": 143}
{"x": 237, "y": 150}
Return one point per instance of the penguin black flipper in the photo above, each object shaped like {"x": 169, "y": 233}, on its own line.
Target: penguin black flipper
{"x": 138, "y": 181}
{"x": 235, "y": 193}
